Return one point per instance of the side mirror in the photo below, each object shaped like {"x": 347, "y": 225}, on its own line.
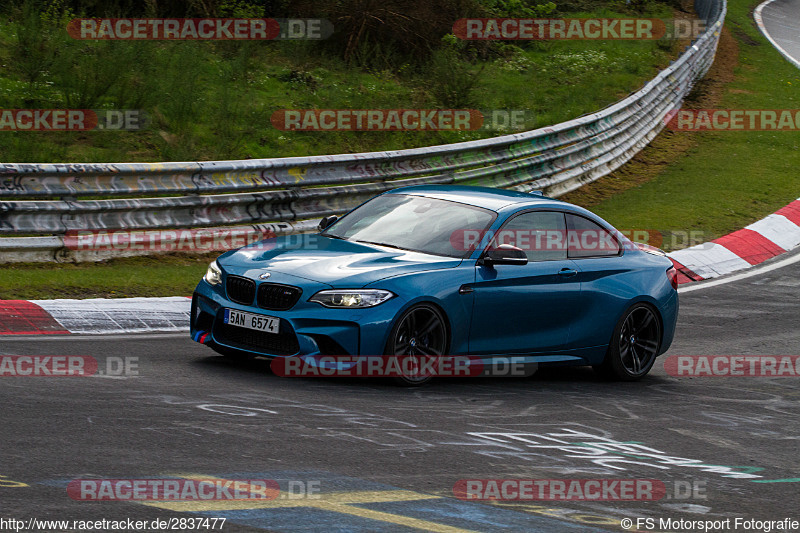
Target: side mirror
{"x": 326, "y": 222}
{"x": 505, "y": 254}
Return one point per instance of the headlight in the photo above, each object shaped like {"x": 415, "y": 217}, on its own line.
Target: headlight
{"x": 351, "y": 298}
{"x": 213, "y": 274}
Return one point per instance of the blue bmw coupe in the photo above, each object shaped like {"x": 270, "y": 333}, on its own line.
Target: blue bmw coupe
{"x": 433, "y": 270}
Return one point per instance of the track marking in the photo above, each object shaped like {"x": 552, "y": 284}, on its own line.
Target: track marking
{"x": 338, "y": 502}
{"x": 78, "y": 337}
{"x": 755, "y": 271}
{"x": 758, "y": 16}
{"x": 8, "y": 483}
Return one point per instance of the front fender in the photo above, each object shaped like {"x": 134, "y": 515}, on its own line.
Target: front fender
{"x": 438, "y": 287}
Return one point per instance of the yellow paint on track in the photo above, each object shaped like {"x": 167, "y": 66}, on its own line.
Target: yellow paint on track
{"x": 338, "y": 502}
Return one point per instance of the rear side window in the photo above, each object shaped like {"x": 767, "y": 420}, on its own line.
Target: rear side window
{"x": 589, "y": 239}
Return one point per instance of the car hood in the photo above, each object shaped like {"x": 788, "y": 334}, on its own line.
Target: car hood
{"x": 335, "y": 262}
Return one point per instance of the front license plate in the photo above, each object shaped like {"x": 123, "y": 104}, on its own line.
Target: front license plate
{"x": 270, "y": 324}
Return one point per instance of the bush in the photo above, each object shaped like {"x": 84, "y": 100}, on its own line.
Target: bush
{"x": 517, "y": 8}
{"x": 385, "y": 34}
{"x": 166, "y": 8}
{"x": 452, "y": 79}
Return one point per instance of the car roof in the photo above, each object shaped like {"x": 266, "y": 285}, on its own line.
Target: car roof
{"x": 486, "y": 197}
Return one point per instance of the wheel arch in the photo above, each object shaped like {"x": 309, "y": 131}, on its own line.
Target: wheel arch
{"x": 422, "y": 300}
{"x": 654, "y": 307}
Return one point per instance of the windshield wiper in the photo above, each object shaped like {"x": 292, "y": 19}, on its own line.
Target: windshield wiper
{"x": 333, "y": 236}
{"x": 383, "y": 244}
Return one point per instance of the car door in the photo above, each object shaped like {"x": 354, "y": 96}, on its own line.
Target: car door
{"x": 605, "y": 289}
{"x": 528, "y": 308}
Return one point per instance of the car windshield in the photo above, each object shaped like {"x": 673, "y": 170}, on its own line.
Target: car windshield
{"x": 415, "y": 223}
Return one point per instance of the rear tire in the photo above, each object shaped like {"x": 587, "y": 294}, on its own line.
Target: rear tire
{"x": 634, "y": 345}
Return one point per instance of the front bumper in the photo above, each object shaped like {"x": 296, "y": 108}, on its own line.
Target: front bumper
{"x": 306, "y": 329}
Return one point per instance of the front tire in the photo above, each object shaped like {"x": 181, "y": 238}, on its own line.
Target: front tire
{"x": 421, "y": 331}
{"x": 634, "y": 345}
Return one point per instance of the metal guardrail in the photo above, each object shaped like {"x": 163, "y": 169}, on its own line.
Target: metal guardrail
{"x": 290, "y": 192}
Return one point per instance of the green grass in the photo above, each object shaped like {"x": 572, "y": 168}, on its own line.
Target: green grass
{"x": 726, "y": 180}
{"x": 723, "y": 182}
{"x": 214, "y": 100}
{"x": 167, "y": 275}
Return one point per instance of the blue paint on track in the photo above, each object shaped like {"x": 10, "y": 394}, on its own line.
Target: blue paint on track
{"x": 446, "y": 511}
{"x": 475, "y": 516}
{"x": 305, "y": 519}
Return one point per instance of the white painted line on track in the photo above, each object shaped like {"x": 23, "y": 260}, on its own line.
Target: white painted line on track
{"x": 759, "y": 18}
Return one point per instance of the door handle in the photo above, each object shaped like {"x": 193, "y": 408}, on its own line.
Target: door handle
{"x": 567, "y": 272}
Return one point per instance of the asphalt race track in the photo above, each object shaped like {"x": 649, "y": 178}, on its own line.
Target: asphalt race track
{"x": 354, "y": 455}
{"x": 782, "y": 21}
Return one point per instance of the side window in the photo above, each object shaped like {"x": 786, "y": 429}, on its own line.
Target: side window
{"x": 541, "y": 234}
{"x": 588, "y": 239}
